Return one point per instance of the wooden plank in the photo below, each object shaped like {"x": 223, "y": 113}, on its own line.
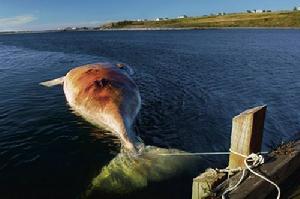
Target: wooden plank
{"x": 246, "y": 135}
{"x": 205, "y": 183}
{"x": 281, "y": 164}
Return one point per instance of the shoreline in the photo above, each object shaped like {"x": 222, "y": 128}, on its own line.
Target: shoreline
{"x": 287, "y": 19}
{"x": 198, "y": 28}
{"x": 153, "y": 29}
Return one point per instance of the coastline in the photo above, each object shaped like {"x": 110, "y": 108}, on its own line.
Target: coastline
{"x": 197, "y": 28}
{"x": 153, "y": 29}
{"x": 265, "y": 20}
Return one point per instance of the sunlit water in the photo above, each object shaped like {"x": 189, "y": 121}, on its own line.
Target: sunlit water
{"x": 191, "y": 82}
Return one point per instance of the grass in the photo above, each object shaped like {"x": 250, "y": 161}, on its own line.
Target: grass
{"x": 273, "y": 19}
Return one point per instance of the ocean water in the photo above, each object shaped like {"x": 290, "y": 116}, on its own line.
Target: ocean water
{"x": 192, "y": 83}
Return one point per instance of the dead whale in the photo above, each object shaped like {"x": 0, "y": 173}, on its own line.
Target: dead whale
{"x": 105, "y": 95}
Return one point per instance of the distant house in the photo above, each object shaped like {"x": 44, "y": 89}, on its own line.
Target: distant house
{"x": 159, "y": 19}
{"x": 259, "y": 11}
{"x": 221, "y": 13}
{"x": 181, "y": 17}
{"x": 140, "y": 20}
{"x": 256, "y": 11}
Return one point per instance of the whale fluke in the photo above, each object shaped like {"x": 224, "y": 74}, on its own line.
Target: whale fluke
{"x": 126, "y": 173}
{"x": 53, "y": 82}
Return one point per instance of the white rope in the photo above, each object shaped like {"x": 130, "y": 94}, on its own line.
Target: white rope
{"x": 228, "y": 190}
{"x": 237, "y": 153}
{"x": 255, "y": 161}
{"x": 204, "y": 153}
{"x": 189, "y": 154}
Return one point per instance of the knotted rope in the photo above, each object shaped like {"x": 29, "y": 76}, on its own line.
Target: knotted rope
{"x": 251, "y": 161}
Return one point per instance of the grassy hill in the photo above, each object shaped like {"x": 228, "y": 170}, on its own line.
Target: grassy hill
{"x": 270, "y": 19}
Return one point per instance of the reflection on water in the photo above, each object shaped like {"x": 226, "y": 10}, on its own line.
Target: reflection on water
{"x": 126, "y": 173}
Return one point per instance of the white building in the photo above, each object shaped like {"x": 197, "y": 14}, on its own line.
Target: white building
{"x": 159, "y": 19}
{"x": 182, "y": 17}
{"x": 139, "y": 20}
{"x": 257, "y": 11}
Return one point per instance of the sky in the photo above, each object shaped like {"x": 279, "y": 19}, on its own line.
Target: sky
{"x": 53, "y": 14}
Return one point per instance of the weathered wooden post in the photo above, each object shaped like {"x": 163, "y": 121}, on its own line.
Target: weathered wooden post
{"x": 246, "y": 138}
{"x": 246, "y": 135}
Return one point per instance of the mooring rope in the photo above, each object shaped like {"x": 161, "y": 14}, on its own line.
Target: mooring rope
{"x": 255, "y": 160}
{"x": 191, "y": 154}
{"x": 203, "y": 153}
{"x": 229, "y": 189}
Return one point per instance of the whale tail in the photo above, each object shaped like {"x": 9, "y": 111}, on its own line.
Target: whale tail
{"x": 126, "y": 173}
{"x": 53, "y": 82}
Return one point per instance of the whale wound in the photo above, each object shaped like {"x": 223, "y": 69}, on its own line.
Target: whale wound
{"x": 102, "y": 82}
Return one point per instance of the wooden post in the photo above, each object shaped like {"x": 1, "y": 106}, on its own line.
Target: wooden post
{"x": 246, "y": 138}
{"x": 246, "y": 135}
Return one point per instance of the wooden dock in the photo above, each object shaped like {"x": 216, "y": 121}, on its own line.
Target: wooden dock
{"x": 246, "y": 139}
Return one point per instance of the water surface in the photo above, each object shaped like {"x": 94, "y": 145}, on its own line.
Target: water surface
{"x": 191, "y": 82}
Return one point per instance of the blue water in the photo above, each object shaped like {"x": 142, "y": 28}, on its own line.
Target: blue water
{"x": 192, "y": 83}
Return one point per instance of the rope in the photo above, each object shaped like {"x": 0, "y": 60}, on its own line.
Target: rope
{"x": 255, "y": 161}
{"x": 228, "y": 190}
{"x": 258, "y": 159}
{"x": 190, "y": 154}
{"x": 206, "y": 153}
{"x": 237, "y": 153}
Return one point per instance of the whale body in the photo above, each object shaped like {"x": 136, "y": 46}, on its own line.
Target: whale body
{"x": 106, "y": 96}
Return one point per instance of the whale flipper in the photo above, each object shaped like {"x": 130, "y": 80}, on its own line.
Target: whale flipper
{"x": 54, "y": 82}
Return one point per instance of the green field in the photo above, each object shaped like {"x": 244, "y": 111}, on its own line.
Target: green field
{"x": 269, "y": 19}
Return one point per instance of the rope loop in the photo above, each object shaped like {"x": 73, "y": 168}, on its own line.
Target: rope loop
{"x": 255, "y": 159}
{"x": 251, "y": 161}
